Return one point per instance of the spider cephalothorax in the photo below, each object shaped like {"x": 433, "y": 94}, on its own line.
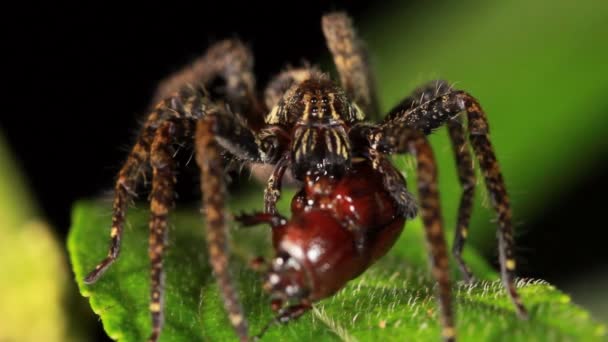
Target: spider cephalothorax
{"x": 353, "y": 201}
{"x": 316, "y": 115}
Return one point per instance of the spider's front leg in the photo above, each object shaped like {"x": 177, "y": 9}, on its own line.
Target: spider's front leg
{"x": 216, "y": 131}
{"x": 230, "y": 61}
{"x": 466, "y": 176}
{"x": 407, "y": 140}
{"x": 278, "y": 85}
{"x": 172, "y": 121}
{"x": 168, "y": 111}
{"x": 462, "y": 154}
{"x": 161, "y": 200}
{"x": 394, "y": 184}
{"x": 176, "y": 101}
{"x": 272, "y": 193}
{"x": 169, "y": 123}
{"x": 351, "y": 60}
{"x": 209, "y": 160}
{"x": 428, "y": 115}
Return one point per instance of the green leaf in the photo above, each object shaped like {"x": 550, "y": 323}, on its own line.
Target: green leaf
{"x": 539, "y": 70}
{"x": 393, "y": 300}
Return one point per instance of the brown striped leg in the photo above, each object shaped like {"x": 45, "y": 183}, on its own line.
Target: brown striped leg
{"x": 161, "y": 200}
{"x": 431, "y": 217}
{"x": 401, "y": 139}
{"x": 480, "y": 140}
{"x": 231, "y": 61}
{"x": 425, "y": 109}
{"x": 209, "y": 160}
{"x": 277, "y": 87}
{"x": 182, "y": 108}
{"x": 420, "y": 95}
{"x": 272, "y": 193}
{"x": 500, "y": 200}
{"x": 153, "y": 148}
{"x": 351, "y": 60}
{"x": 466, "y": 176}
{"x": 125, "y": 189}
{"x": 394, "y": 183}
{"x": 430, "y": 115}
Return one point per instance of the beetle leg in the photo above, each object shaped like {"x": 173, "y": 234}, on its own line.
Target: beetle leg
{"x": 286, "y": 315}
{"x": 274, "y": 220}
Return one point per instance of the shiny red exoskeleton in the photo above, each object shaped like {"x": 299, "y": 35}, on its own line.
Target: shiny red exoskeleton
{"x": 338, "y": 229}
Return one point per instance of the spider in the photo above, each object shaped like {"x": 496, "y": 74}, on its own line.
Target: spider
{"x": 306, "y": 126}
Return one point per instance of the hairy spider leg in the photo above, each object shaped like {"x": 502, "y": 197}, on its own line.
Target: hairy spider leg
{"x": 161, "y": 201}
{"x": 428, "y": 116}
{"x": 408, "y": 140}
{"x": 172, "y": 119}
{"x": 209, "y": 160}
{"x": 279, "y": 84}
{"x": 431, "y": 217}
{"x": 352, "y": 62}
{"x": 230, "y": 60}
{"x": 464, "y": 163}
{"x": 466, "y": 176}
{"x": 500, "y": 200}
{"x": 176, "y": 114}
{"x": 221, "y": 130}
{"x": 136, "y": 167}
{"x": 125, "y": 189}
{"x": 272, "y": 193}
{"x": 181, "y": 104}
{"x": 395, "y": 184}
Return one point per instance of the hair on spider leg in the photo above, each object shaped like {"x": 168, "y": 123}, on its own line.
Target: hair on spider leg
{"x": 452, "y": 85}
{"x": 190, "y": 157}
{"x": 106, "y": 196}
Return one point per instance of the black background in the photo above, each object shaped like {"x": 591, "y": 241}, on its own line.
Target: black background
{"x": 79, "y": 80}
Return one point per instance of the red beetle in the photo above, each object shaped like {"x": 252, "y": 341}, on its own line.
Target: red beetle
{"x": 338, "y": 229}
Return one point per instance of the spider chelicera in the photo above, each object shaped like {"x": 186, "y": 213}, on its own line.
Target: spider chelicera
{"x": 353, "y": 202}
